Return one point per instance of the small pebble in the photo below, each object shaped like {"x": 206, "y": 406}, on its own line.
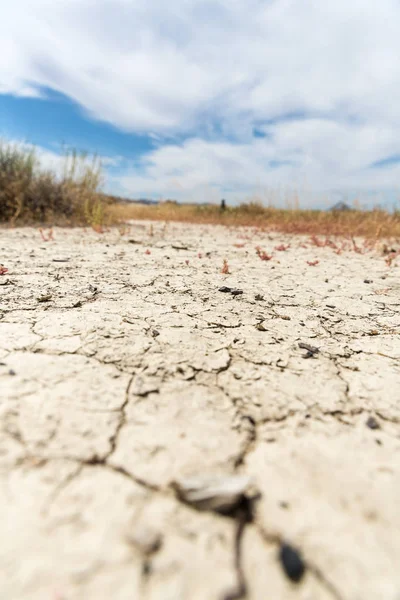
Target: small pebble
{"x": 372, "y": 423}
{"x": 229, "y": 290}
{"x": 44, "y": 298}
{"x": 292, "y": 562}
{"x": 311, "y": 350}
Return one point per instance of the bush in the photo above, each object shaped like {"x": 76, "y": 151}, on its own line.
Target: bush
{"x": 30, "y": 193}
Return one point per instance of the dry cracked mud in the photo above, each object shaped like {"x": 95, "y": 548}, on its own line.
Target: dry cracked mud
{"x": 126, "y": 375}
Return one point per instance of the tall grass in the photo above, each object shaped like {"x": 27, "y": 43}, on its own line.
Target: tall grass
{"x": 29, "y": 193}
{"x": 375, "y": 223}
{"x": 72, "y": 196}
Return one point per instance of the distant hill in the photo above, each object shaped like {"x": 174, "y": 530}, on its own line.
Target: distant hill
{"x": 340, "y": 206}
{"x": 145, "y": 201}
{"x": 111, "y": 199}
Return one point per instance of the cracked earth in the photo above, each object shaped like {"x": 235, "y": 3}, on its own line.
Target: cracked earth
{"x": 167, "y": 428}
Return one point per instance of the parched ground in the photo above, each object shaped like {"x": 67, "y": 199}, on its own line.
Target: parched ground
{"x": 129, "y": 365}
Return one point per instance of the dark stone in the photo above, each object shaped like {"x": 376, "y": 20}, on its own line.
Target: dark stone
{"x": 292, "y": 562}
{"x": 311, "y": 350}
{"x": 372, "y": 423}
{"x": 228, "y": 290}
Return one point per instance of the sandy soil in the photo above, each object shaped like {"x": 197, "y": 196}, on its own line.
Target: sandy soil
{"x": 125, "y": 372}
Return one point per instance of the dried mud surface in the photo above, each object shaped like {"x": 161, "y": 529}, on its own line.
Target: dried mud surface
{"x": 124, "y": 370}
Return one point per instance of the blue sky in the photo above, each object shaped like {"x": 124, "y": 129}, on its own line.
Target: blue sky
{"x": 196, "y": 100}
{"x": 55, "y": 120}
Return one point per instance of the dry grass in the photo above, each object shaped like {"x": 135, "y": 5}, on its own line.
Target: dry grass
{"x": 29, "y": 193}
{"x": 372, "y": 224}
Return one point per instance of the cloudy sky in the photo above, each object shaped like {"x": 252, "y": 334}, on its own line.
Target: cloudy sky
{"x": 195, "y": 99}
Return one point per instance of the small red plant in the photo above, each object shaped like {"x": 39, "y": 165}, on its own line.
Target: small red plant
{"x": 199, "y": 255}
{"x": 331, "y": 244}
{"x": 262, "y": 254}
{"x": 3, "y": 270}
{"x": 148, "y": 251}
{"x": 355, "y": 247}
{"x": 49, "y": 235}
{"x": 225, "y": 267}
{"x": 315, "y": 241}
{"x": 344, "y": 246}
{"x": 313, "y": 263}
{"x": 187, "y": 262}
{"x": 282, "y": 247}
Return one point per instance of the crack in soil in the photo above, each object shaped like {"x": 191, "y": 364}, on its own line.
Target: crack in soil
{"x": 166, "y": 356}
{"x": 243, "y": 517}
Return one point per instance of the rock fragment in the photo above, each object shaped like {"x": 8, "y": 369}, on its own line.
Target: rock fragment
{"x": 311, "y": 350}
{"x": 292, "y": 562}
{"x": 44, "y": 298}
{"x": 222, "y": 494}
{"x": 228, "y": 290}
{"x": 372, "y": 423}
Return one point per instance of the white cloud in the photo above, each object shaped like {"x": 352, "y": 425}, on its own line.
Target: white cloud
{"x": 295, "y": 157}
{"x": 215, "y": 69}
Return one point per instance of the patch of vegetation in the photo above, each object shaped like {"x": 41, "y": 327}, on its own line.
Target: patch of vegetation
{"x": 29, "y": 193}
{"x": 72, "y": 196}
{"x": 375, "y": 223}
